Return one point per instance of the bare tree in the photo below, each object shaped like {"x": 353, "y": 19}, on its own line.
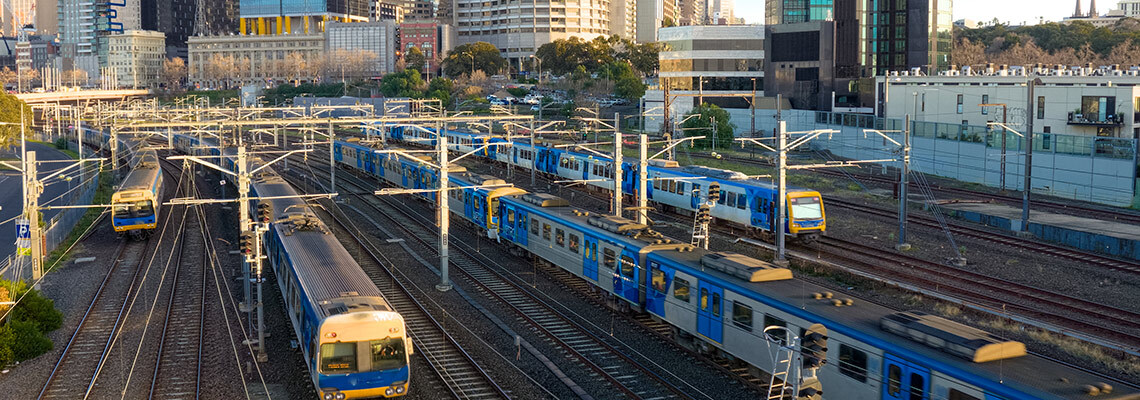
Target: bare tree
{"x": 7, "y": 77}
{"x": 295, "y": 66}
{"x": 242, "y": 68}
{"x": 173, "y": 72}
{"x": 968, "y": 53}
{"x": 221, "y": 68}
{"x": 75, "y": 77}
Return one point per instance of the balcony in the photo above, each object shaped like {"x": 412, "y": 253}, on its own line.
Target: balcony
{"x": 1093, "y": 119}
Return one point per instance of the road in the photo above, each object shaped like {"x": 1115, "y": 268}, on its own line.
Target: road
{"x": 11, "y": 193}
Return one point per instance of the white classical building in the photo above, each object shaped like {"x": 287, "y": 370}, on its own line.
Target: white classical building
{"x": 135, "y": 58}
{"x": 1069, "y": 100}
{"x": 254, "y": 59}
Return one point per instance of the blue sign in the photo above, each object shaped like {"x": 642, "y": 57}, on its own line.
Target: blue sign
{"x": 23, "y": 237}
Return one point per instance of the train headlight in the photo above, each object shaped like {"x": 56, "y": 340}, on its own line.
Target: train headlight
{"x": 339, "y": 396}
{"x": 329, "y": 396}
{"x": 400, "y": 389}
{"x": 388, "y": 392}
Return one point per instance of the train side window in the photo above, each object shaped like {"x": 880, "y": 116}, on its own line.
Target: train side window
{"x": 546, "y": 231}
{"x": 741, "y": 201}
{"x": 560, "y": 237}
{"x": 894, "y": 380}
{"x": 723, "y": 197}
{"x": 534, "y": 226}
{"x": 574, "y": 243}
{"x": 917, "y": 386}
{"x": 853, "y": 363}
{"x": 742, "y": 315}
{"x": 627, "y": 267}
{"x": 955, "y": 394}
{"x": 781, "y": 334}
{"x": 704, "y": 299}
{"x": 681, "y": 188}
{"x": 681, "y": 289}
{"x": 716, "y": 304}
{"x": 658, "y": 280}
{"x": 657, "y": 184}
{"x": 510, "y": 216}
{"x": 731, "y": 199}
{"x": 609, "y": 258}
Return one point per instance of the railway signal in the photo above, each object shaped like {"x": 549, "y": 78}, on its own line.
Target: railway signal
{"x": 814, "y": 347}
{"x": 264, "y": 212}
{"x": 246, "y": 243}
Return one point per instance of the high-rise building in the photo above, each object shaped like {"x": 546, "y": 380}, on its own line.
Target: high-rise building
{"x": 903, "y": 35}
{"x": 623, "y": 18}
{"x": 375, "y": 41}
{"x": 720, "y": 12}
{"x": 692, "y": 12}
{"x": 796, "y": 11}
{"x": 650, "y": 16}
{"x": 518, "y": 28}
{"x": 174, "y": 18}
{"x": 135, "y": 58}
{"x": 268, "y": 17}
{"x": 386, "y": 11}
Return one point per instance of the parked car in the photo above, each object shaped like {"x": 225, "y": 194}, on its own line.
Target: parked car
{"x": 500, "y": 102}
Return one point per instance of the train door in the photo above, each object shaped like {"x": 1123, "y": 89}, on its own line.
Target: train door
{"x": 658, "y": 284}
{"x": 585, "y": 164}
{"x": 904, "y": 381}
{"x": 468, "y": 196}
{"x": 338, "y": 150}
{"x": 629, "y": 179}
{"x": 406, "y": 170}
{"x": 696, "y": 199}
{"x": 709, "y": 308}
{"x": 521, "y": 226}
{"x": 590, "y": 258}
{"x": 507, "y": 227}
{"x": 759, "y": 210}
{"x": 626, "y": 277}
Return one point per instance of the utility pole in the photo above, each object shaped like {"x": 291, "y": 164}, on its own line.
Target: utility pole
{"x": 242, "y": 183}
{"x": 904, "y": 173}
{"x": 752, "y": 103}
{"x": 642, "y": 178}
{"x": 782, "y": 191}
{"x": 32, "y": 190}
{"x": 1028, "y": 157}
{"x": 533, "y": 154}
{"x": 332, "y": 162}
{"x": 617, "y": 166}
{"x": 441, "y": 199}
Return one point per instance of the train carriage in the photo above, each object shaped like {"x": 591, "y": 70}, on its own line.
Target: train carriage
{"x": 135, "y": 206}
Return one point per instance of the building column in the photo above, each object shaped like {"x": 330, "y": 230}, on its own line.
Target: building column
{"x": 306, "y": 19}
{"x": 241, "y": 25}
{"x": 260, "y": 25}
{"x": 278, "y": 27}
{"x": 288, "y": 28}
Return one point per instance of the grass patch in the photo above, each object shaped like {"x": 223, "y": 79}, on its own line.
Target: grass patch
{"x": 102, "y": 196}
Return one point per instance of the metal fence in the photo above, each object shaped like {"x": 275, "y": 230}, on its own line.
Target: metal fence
{"x": 1089, "y": 168}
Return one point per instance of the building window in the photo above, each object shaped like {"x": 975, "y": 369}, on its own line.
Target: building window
{"x": 961, "y": 101}
{"x": 1040, "y": 107}
{"x": 985, "y": 100}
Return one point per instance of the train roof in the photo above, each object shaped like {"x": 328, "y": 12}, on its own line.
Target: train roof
{"x": 864, "y": 321}
{"x": 327, "y": 272}
{"x": 143, "y": 175}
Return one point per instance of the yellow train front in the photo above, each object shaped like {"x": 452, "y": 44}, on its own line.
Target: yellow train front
{"x": 135, "y": 206}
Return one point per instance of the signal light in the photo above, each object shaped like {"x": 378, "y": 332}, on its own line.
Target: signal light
{"x": 714, "y": 192}
{"x": 704, "y": 213}
{"x": 264, "y": 212}
{"x": 814, "y": 347}
{"x": 245, "y": 243}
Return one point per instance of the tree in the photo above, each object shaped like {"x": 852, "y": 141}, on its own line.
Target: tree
{"x": 562, "y": 56}
{"x": 173, "y": 73}
{"x": 968, "y": 53}
{"x": 441, "y": 88}
{"x": 406, "y": 83}
{"x": 295, "y": 66}
{"x": 480, "y": 56}
{"x": 75, "y": 77}
{"x": 643, "y": 57}
{"x": 626, "y": 83}
{"x": 10, "y": 112}
{"x": 702, "y": 126}
{"x": 7, "y": 77}
{"x": 415, "y": 59}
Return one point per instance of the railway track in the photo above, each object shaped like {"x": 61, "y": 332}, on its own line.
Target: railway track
{"x": 74, "y": 373}
{"x": 455, "y": 367}
{"x": 590, "y": 351}
{"x": 1059, "y": 251}
{"x": 1052, "y": 307}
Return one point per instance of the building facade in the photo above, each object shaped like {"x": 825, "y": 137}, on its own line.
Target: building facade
{"x": 384, "y": 11}
{"x": 1069, "y": 100}
{"x": 796, "y": 11}
{"x": 376, "y": 42}
{"x": 800, "y": 65}
{"x": 691, "y": 12}
{"x": 518, "y": 28}
{"x": 434, "y": 39}
{"x": 907, "y": 34}
{"x": 1131, "y": 8}
{"x": 135, "y": 58}
{"x": 234, "y": 60}
{"x": 623, "y": 18}
{"x": 175, "y": 18}
{"x": 718, "y": 64}
{"x": 277, "y": 17}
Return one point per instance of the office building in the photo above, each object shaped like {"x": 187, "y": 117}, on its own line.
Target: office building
{"x": 720, "y": 12}
{"x": 650, "y": 15}
{"x": 1131, "y": 8}
{"x": 623, "y": 18}
{"x": 384, "y": 11}
{"x": 135, "y": 58}
{"x": 691, "y": 12}
{"x": 708, "y": 63}
{"x": 517, "y": 29}
{"x": 902, "y": 35}
{"x": 278, "y": 17}
{"x": 796, "y": 11}
{"x": 800, "y": 65}
{"x": 252, "y": 59}
{"x": 47, "y": 20}
{"x": 432, "y": 38}
{"x": 175, "y": 18}
{"x": 376, "y": 42}
{"x": 1070, "y": 100}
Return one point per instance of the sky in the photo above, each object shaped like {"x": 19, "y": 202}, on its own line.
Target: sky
{"x": 1012, "y": 11}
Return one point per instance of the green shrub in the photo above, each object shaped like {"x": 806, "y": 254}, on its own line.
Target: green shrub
{"x": 61, "y": 143}
{"x": 39, "y": 311}
{"x": 518, "y": 92}
{"x": 27, "y": 341}
{"x": 6, "y": 340}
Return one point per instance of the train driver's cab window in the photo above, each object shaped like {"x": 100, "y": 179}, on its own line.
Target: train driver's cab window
{"x": 853, "y": 363}
{"x": 806, "y": 208}
{"x": 609, "y": 258}
{"x": 627, "y": 267}
{"x": 955, "y": 394}
{"x": 388, "y": 354}
{"x": 338, "y": 357}
{"x": 681, "y": 289}
{"x": 137, "y": 209}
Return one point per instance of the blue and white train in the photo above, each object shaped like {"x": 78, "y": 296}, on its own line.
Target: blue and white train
{"x": 354, "y": 343}
{"x": 744, "y": 202}
{"x": 135, "y": 206}
{"x": 721, "y": 302}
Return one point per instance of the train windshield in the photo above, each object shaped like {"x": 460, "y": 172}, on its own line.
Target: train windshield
{"x": 388, "y": 354}
{"x": 338, "y": 357}
{"x": 138, "y": 209}
{"x": 806, "y": 208}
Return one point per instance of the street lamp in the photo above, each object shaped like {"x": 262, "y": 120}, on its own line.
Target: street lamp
{"x": 468, "y": 54}
{"x": 539, "y": 68}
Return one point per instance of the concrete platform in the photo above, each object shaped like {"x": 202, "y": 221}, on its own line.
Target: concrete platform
{"x": 1107, "y": 237}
